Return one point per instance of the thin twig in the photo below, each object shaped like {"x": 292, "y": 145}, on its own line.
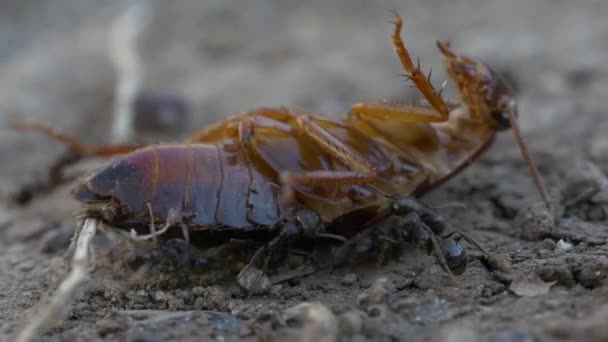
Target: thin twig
{"x": 67, "y": 288}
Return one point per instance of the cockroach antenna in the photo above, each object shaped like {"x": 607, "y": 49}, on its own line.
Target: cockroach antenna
{"x": 528, "y": 158}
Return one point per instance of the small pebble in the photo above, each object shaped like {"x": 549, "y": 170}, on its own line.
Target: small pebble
{"x": 275, "y": 290}
{"x": 351, "y": 322}
{"x": 26, "y": 266}
{"x": 535, "y": 222}
{"x": 200, "y": 303}
{"x": 110, "y": 324}
{"x": 548, "y": 244}
{"x": 564, "y": 246}
{"x": 160, "y": 297}
{"x": 318, "y": 323}
{"x": 514, "y": 335}
{"x": 349, "y": 279}
{"x": 460, "y": 334}
{"x": 254, "y": 280}
{"x": 378, "y": 293}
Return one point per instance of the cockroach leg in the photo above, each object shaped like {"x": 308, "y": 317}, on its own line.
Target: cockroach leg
{"x": 361, "y": 171}
{"x": 403, "y": 112}
{"x": 73, "y": 144}
{"x": 415, "y": 74}
{"x": 289, "y": 180}
{"x": 330, "y": 143}
{"x": 54, "y": 178}
{"x": 76, "y": 152}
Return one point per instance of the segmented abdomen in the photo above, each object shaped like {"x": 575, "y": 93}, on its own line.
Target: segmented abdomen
{"x": 207, "y": 185}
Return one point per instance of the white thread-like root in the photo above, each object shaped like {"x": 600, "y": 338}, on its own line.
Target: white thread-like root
{"x": 68, "y": 287}
{"x": 125, "y": 57}
{"x": 185, "y": 232}
{"x": 173, "y": 217}
{"x": 153, "y": 235}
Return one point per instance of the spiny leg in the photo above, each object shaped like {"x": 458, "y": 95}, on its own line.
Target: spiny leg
{"x": 414, "y": 73}
{"x": 224, "y": 129}
{"x": 405, "y": 112}
{"x": 361, "y": 171}
{"x": 246, "y": 125}
{"x": 289, "y": 180}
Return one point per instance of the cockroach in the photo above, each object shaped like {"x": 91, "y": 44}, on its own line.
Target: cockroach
{"x": 283, "y": 174}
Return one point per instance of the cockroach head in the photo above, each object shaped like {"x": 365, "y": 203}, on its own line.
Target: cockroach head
{"x": 487, "y": 95}
{"x": 490, "y": 99}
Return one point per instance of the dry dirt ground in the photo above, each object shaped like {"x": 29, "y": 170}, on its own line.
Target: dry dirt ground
{"x": 225, "y": 58}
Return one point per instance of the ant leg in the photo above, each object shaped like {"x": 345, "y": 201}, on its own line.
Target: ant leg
{"x": 412, "y": 221}
{"x": 432, "y": 220}
{"x": 460, "y": 235}
{"x": 427, "y": 219}
{"x": 305, "y": 223}
{"x": 254, "y": 279}
{"x": 427, "y": 239}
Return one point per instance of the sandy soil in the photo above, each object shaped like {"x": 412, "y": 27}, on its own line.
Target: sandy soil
{"x": 224, "y": 59}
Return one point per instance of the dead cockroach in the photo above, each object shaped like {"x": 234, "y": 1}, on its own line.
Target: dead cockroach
{"x": 283, "y": 174}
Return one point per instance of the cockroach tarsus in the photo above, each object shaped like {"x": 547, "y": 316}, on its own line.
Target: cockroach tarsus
{"x": 284, "y": 174}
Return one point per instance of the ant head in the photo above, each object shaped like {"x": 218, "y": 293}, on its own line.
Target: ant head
{"x": 486, "y": 93}
{"x": 454, "y": 255}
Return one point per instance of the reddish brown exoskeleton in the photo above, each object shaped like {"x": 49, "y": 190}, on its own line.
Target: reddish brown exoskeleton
{"x": 284, "y": 173}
